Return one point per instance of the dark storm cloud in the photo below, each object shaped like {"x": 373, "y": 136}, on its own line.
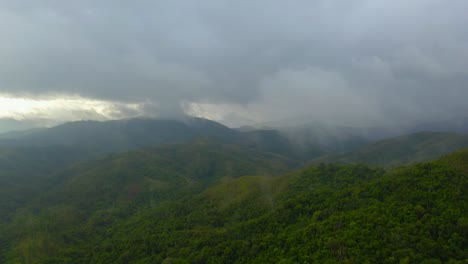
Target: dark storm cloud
{"x": 326, "y": 59}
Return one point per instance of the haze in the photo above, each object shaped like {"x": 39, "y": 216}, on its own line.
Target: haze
{"x": 238, "y": 62}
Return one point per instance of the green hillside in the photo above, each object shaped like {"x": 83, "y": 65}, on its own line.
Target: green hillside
{"x": 164, "y": 172}
{"x": 422, "y": 146}
{"x": 110, "y": 211}
{"x": 121, "y": 183}
{"x": 25, "y": 171}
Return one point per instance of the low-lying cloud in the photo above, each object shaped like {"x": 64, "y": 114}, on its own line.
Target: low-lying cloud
{"x": 251, "y": 61}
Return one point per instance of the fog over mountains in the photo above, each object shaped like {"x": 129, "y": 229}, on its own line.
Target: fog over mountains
{"x": 157, "y": 190}
{"x": 304, "y": 142}
{"x": 365, "y": 63}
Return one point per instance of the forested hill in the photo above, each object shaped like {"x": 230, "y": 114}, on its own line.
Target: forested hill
{"x": 25, "y": 171}
{"x": 93, "y": 138}
{"x": 417, "y": 147}
{"x": 76, "y": 192}
{"x": 28, "y": 171}
{"x": 321, "y": 214}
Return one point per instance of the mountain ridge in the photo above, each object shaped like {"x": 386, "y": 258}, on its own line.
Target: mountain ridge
{"x": 411, "y": 148}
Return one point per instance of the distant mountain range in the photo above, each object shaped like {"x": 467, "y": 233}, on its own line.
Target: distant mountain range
{"x": 130, "y": 133}
{"x": 342, "y": 138}
{"x": 405, "y": 149}
{"x": 123, "y": 135}
{"x": 306, "y": 142}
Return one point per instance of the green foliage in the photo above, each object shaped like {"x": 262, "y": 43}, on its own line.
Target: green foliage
{"x": 187, "y": 204}
{"x": 26, "y": 171}
{"x": 98, "y": 193}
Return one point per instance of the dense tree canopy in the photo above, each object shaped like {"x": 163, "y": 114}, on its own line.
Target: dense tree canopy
{"x": 126, "y": 209}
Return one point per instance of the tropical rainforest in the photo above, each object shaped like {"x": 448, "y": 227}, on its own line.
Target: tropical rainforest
{"x": 195, "y": 191}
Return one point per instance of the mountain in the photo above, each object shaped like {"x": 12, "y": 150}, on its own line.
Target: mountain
{"x": 422, "y": 146}
{"x": 320, "y": 214}
{"x": 118, "y": 135}
{"x": 29, "y": 159}
{"x": 130, "y": 134}
{"x": 313, "y": 138}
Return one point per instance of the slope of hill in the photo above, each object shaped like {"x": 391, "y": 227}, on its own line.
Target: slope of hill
{"x": 115, "y": 186}
{"x": 24, "y": 172}
{"x": 322, "y": 214}
{"x": 411, "y": 148}
{"x": 166, "y": 170}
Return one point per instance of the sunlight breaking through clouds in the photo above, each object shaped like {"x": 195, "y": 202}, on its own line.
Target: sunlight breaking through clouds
{"x": 64, "y": 108}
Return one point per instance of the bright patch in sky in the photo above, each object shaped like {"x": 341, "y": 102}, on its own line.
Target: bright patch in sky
{"x": 66, "y": 108}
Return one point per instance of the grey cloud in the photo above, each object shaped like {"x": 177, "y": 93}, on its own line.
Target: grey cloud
{"x": 316, "y": 94}
{"x": 341, "y": 60}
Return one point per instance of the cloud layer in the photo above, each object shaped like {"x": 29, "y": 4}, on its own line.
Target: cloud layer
{"x": 344, "y": 61}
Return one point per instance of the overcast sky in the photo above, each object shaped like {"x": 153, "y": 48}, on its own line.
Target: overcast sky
{"x": 239, "y": 62}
